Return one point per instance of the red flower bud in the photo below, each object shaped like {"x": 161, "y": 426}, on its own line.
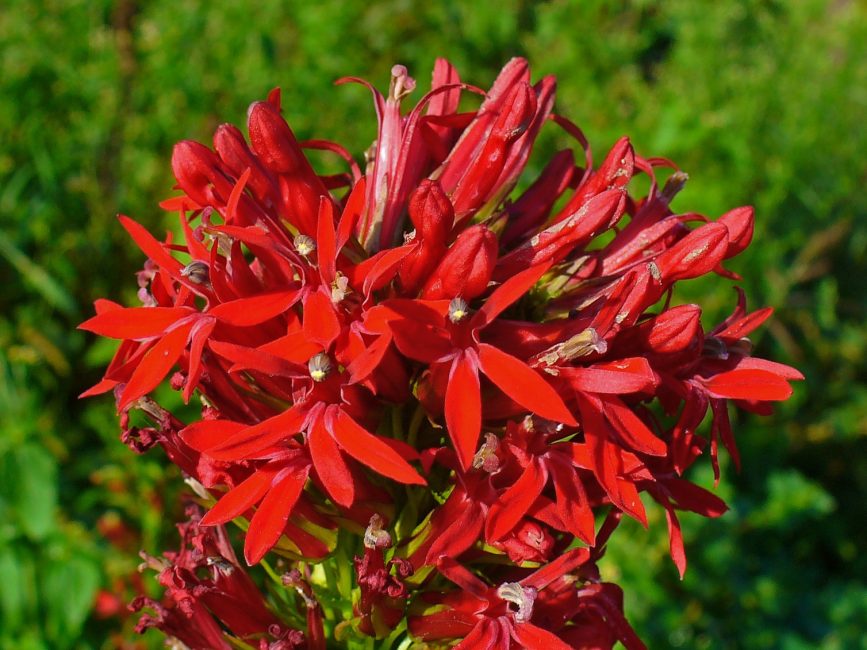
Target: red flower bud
{"x": 200, "y": 174}
{"x": 274, "y": 143}
{"x": 418, "y": 265}
{"x": 479, "y": 180}
{"x": 614, "y": 172}
{"x": 556, "y": 242}
{"x": 740, "y": 223}
{"x": 466, "y": 268}
{"x": 236, "y": 155}
{"x": 694, "y": 255}
{"x": 431, "y": 212}
{"x": 273, "y": 140}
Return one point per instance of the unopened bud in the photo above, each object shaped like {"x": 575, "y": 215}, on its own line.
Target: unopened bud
{"x": 319, "y": 366}
{"x": 466, "y": 268}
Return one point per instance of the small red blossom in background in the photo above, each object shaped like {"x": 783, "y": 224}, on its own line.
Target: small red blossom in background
{"x": 421, "y": 392}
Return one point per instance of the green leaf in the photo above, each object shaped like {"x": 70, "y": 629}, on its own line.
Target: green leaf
{"x": 68, "y": 590}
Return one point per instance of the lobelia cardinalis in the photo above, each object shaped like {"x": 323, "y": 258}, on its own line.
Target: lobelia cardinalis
{"x": 426, "y": 399}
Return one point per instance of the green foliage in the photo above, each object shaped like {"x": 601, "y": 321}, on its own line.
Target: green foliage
{"x": 762, "y": 101}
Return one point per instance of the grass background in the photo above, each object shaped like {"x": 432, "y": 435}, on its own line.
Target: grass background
{"x": 763, "y": 102}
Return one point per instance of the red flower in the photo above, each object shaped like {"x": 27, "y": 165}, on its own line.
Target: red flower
{"x": 335, "y": 345}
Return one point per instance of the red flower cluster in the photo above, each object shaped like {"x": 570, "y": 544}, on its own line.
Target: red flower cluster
{"x": 415, "y": 348}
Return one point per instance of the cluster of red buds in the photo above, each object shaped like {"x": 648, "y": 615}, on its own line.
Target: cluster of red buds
{"x": 427, "y": 399}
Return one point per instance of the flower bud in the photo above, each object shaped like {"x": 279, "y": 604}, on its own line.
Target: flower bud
{"x": 199, "y": 173}
{"x": 417, "y": 266}
{"x": 466, "y": 268}
{"x": 273, "y": 140}
{"x": 229, "y": 143}
{"x": 431, "y": 212}
{"x": 740, "y": 223}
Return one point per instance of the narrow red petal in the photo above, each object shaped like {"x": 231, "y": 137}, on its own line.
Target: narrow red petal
{"x": 150, "y": 246}
{"x": 320, "y": 320}
{"x": 523, "y": 384}
{"x": 507, "y": 293}
{"x": 535, "y": 638}
{"x": 207, "y": 434}
{"x": 134, "y": 322}
{"x": 240, "y": 498}
{"x": 251, "y": 440}
{"x": 329, "y": 464}
{"x": 463, "y": 407}
{"x": 155, "y": 365}
{"x": 326, "y": 244}
{"x": 631, "y": 429}
{"x": 752, "y": 385}
{"x": 270, "y": 519}
{"x": 514, "y": 503}
{"x": 245, "y": 312}
{"x": 369, "y": 450}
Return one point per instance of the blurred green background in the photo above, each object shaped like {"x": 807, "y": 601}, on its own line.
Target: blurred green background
{"x": 763, "y": 102}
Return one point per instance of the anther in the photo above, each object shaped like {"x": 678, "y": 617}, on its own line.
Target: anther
{"x": 319, "y": 366}
{"x": 458, "y": 310}
{"x": 304, "y": 245}
{"x": 523, "y": 597}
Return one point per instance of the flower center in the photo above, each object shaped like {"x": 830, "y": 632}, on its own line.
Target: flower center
{"x": 458, "y": 310}
{"x": 319, "y": 366}
{"x": 304, "y": 245}
{"x": 522, "y": 597}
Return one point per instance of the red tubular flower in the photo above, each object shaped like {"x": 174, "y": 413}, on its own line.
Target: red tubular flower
{"x": 336, "y": 346}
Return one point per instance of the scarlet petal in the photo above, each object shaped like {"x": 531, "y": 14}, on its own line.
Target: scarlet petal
{"x": 421, "y": 341}
{"x": 245, "y": 358}
{"x": 251, "y": 440}
{"x": 535, "y": 638}
{"x": 199, "y": 336}
{"x": 752, "y": 385}
{"x": 523, "y": 384}
{"x": 240, "y": 499}
{"x": 573, "y": 506}
{"x": 151, "y": 247}
{"x": 515, "y": 502}
{"x": 134, "y": 322}
{"x": 326, "y": 245}
{"x": 155, "y": 365}
{"x": 617, "y": 378}
{"x": 464, "y": 407}
{"x": 675, "y": 539}
{"x": 270, "y": 519}
{"x": 245, "y": 312}
{"x": 369, "y": 450}
{"x": 320, "y": 320}
{"x": 507, "y": 293}
{"x": 631, "y": 428}
{"x": 548, "y": 573}
{"x": 351, "y": 213}
{"x": 329, "y": 464}
{"x": 207, "y": 434}
{"x": 459, "y": 535}
{"x": 694, "y": 498}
